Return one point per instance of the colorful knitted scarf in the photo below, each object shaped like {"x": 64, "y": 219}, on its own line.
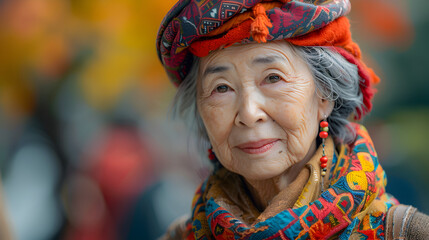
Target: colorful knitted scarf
{"x": 353, "y": 202}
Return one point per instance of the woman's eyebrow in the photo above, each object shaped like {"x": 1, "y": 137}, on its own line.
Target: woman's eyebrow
{"x": 267, "y": 59}
{"x": 215, "y": 69}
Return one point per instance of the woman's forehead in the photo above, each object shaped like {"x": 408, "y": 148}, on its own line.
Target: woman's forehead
{"x": 253, "y": 53}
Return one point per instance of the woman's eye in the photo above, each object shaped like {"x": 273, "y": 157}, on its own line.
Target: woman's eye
{"x": 273, "y": 78}
{"x": 222, "y": 88}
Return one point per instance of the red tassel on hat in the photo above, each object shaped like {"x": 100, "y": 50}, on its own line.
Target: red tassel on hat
{"x": 259, "y": 28}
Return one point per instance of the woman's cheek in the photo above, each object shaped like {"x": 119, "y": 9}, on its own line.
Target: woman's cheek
{"x": 285, "y": 113}
{"x": 293, "y": 100}
{"x": 218, "y": 116}
{"x": 287, "y": 94}
{"x": 291, "y": 115}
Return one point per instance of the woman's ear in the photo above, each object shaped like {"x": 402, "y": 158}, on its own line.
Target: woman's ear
{"x": 325, "y": 108}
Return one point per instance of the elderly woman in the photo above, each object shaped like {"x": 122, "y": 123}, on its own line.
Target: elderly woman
{"x": 272, "y": 86}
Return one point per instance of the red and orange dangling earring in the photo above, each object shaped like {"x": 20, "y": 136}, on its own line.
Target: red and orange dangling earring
{"x": 212, "y": 156}
{"x": 323, "y": 134}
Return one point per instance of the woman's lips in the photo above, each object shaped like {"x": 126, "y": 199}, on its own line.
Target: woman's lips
{"x": 258, "y": 147}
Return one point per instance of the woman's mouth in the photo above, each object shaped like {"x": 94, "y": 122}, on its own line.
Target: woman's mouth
{"x": 258, "y": 147}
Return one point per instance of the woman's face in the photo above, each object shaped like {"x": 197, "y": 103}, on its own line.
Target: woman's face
{"x": 260, "y": 108}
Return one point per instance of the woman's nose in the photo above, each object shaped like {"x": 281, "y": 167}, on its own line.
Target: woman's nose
{"x": 251, "y": 110}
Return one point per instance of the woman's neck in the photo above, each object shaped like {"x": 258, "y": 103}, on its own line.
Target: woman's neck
{"x": 263, "y": 191}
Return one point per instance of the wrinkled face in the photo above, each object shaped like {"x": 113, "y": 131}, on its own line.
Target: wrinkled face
{"x": 260, "y": 108}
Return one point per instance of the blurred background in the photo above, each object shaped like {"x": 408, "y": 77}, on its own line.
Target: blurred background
{"x": 88, "y": 148}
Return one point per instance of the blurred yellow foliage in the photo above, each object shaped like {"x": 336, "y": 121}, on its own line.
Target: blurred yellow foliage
{"x": 27, "y": 30}
{"x": 40, "y": 38}
{"x": 125, "y": 49}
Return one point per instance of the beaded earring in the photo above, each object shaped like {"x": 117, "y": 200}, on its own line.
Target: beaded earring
{"x": 212, "y": 156}
{"x": 323, "y": 134}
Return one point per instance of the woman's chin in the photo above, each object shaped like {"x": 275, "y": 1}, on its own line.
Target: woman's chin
{"x": 260, "y": 166}
{"x": 259, "y": 172}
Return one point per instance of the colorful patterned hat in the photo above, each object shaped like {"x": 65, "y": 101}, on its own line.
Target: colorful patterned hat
{"x": 197, "y": 27}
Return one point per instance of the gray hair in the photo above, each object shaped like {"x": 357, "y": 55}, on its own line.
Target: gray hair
{"x": 336, "y": 80}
